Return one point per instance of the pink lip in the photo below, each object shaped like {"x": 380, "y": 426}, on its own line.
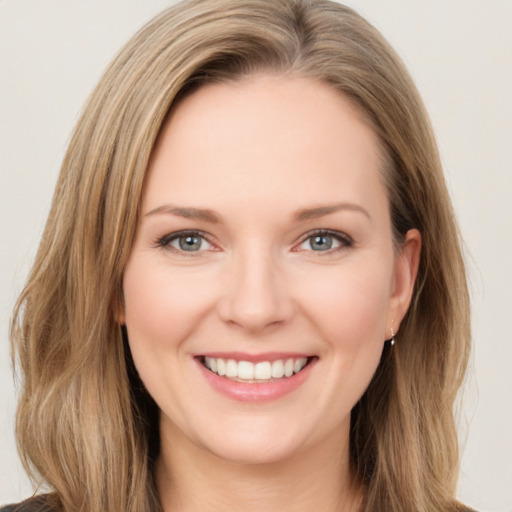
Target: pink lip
{"x": 254, "y": 392}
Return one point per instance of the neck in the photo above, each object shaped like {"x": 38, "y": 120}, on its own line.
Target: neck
{"x": 191, "y": 479}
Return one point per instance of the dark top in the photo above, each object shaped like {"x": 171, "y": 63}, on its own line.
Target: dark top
{"x": 42, "y": 504}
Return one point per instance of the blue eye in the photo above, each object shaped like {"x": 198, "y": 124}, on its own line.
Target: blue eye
{"x": 320, "y": 242}
{"x": 323, "y": 241}
{"x": 189, "y": 242}
{"x": 185, "y": 242}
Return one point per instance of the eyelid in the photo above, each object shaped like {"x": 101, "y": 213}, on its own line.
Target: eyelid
{"x": 345, "y": 240}
{"x": 164, "y": 242}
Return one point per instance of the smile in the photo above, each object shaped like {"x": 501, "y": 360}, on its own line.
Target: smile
{"x": 262, "y": 371}
{"x": 255, "y": 378}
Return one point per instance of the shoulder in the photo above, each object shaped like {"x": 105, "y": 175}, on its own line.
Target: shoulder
{"x": 42, "y": 503}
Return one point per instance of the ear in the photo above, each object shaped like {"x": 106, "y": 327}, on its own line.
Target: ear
{"x": 405, "y": 272}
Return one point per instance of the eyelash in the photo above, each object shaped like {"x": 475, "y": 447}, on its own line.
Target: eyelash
{"x": 165, "y": 241}
{"x": 344, "y": 240}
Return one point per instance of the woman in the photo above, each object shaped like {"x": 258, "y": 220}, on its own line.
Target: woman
{"x": 240, "y": 301}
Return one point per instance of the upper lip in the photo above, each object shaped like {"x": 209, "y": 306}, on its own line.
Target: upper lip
{"x": 255, "y": 358}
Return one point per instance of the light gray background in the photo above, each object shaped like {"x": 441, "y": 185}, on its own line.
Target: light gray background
{"x": 52, "y": 52}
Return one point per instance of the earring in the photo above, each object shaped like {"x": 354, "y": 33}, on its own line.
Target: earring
{"x": 392, "y": 340}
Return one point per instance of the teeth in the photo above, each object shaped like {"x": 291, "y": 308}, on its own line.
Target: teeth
{"x": 277, "y": 369}
{"x": 231, "y": 368}
{"x": 288, "y": 368}
{"x": 297, "y": 365}
{"x": 245, "y": 370}
{"x": 263, "y": 371}
{"x": 221, "y": 367}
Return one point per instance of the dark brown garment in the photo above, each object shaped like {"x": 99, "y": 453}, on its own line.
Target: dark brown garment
{"x": 42, "y": 503}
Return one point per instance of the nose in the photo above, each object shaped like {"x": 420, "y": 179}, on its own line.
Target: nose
{"x": 256, "y": 296}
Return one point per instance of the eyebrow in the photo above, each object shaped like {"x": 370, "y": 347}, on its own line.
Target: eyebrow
{"x": 187, "y": 212}
{"x": 321, "y": 211}
{"x": 207, "y": 215}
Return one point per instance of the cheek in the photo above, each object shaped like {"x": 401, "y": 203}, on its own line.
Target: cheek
{"x": 349, "y": 311}
{"x": 162, "y": 307}
{"x": 349, "y": 306}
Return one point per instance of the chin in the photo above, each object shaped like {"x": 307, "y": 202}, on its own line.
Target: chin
{"x": 255, "y": 452}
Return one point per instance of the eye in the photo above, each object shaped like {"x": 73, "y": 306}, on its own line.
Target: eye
{"x": 323, "y": 241}
{"x": 185, "y": 241}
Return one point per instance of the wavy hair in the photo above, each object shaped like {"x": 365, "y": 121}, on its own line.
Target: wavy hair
{"x": 85, "y": 425}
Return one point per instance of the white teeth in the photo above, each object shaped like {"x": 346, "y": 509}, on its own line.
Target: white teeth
{"x": 288, "y": 368}
{"x": 299, "y": 364}
{"x": 262, "y": 371}
{"x": 221, "y": 367}
{"x": 231, "y": 368}
{"x": 277, "y": 369}
{"x": 246, "y": 370}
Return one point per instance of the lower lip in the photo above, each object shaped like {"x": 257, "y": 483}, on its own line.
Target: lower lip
{"x": 255, "y": 392}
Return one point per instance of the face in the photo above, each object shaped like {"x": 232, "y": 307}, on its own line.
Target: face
{"x": 263, "y": 279}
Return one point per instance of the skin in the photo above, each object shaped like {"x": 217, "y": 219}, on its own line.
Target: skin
{"x": 254, "y": 153}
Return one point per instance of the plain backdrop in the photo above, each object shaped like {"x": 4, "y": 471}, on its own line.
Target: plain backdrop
{"x": 459, "y": 52}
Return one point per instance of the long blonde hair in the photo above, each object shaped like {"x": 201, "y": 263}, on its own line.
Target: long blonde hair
{"x": 85, "y": 425}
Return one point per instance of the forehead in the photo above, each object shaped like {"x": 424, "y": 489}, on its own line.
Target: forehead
{"x": 296, "y": 137}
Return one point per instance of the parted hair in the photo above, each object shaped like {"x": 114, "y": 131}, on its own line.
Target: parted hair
{"x": 86, "y": 427}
